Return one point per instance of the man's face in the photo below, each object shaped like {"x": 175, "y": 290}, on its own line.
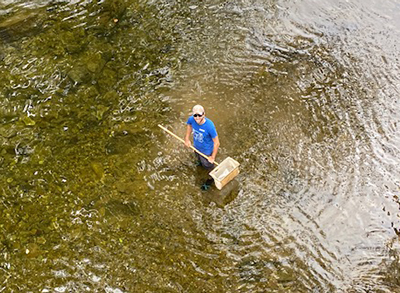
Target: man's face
{"x": 198, "y": 117}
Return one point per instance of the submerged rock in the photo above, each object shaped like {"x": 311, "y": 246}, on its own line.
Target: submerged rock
{"x": 98, "y": 170}
{"x": 23, "y": 23}
{"x": 100, "y": 110}
{"x": 95, "y": 62}
{"x": 116, "y": 207}
{"x": 28, "y": 121}
{"x": 32, "y": 250}
{"x": 79, "y": 74}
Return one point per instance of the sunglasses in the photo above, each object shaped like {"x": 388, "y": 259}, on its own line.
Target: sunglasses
{"x": 198, "y": 115}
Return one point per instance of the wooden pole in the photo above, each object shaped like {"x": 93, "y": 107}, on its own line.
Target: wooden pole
{"x": 178, "y": 138}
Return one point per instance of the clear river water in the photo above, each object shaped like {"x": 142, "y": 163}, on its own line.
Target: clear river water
{"x": 95, "y": 197}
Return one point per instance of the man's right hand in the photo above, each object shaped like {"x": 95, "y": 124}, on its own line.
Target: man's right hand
{"x": 188, "y": 143}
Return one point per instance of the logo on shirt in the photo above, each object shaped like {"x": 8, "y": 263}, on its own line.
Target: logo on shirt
{"x": 198, "y": 136}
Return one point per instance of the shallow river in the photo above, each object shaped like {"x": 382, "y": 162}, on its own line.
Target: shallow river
{"x": 95, "y": 197}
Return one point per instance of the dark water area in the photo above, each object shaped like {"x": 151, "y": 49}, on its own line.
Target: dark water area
{"x": 95, "y": 197}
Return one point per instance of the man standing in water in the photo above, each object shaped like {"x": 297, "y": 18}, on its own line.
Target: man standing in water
{"x": 205, "y": 139}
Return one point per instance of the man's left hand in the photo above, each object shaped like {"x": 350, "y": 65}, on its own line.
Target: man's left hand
{"x": 211, "y": 160}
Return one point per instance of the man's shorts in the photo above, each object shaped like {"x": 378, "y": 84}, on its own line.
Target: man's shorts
{"x": 204, "y": 162}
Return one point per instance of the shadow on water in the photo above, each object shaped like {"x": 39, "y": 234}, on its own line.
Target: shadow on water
{"x": 224, "y": 196}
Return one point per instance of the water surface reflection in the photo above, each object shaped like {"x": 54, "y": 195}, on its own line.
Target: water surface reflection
{"x": 95, "y": 197}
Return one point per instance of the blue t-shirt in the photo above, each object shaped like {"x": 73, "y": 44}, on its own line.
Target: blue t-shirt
{"x": 203, "y": 135}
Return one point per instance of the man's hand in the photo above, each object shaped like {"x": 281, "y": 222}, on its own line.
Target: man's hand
{"x": 188, "y": 143}
{"x": 211, "y": 159}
